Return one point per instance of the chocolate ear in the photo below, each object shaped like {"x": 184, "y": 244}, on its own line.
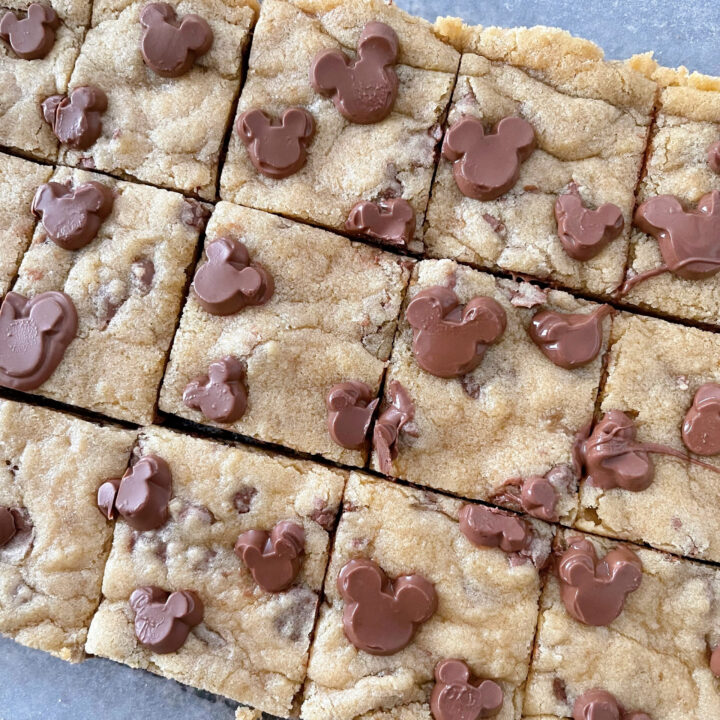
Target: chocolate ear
{"x": 90, "y": 198}
{"x": 8, "y": 23}
{"x": 519, "y": 132}
{"x": 328, "y": 65}
{"x": 251, "y": 555}
{"x": 155, "y": 14}
{"x": 140, "y": 598}
{"x": 489, "y": 316}
{"x": 299, "y": 121}
{"x": 462, "y": 137}
{"x": 364, "y": 582}
{"x": 452, "y": 672}
{"x": 177, "y": 605}
{"x": 339, "y": 398}
{"x": 252, "y": 123}
{"x": 577, "y": 570}
{"x": 385, "y": 49}
{"x": 196, "y": 33}
{"x": 627, "y": 577}
{"x": 610, "y": 215}
{"x": 45, "y": 196}
{"x": 45, "y": 315}
{"x": 416, "y": 598}
{"x": 218, "y": 252}
{"x": 659, "y": 212}
{"x": 423, "y": 312}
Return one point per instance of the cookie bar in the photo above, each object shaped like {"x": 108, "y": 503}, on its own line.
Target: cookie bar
{"x": 54, "y": 543}
{"x": 126, "y": 283}
{"x": 251, "y": 645}
{"x": 43, "y": 70}
{"x": 655, "y": 372}
{"x": 653, "y": 658}
{"x": 510, "y": 416}
{"x": 349, "y": 161}
{"x": 556, "y": 204}
{"x": 18, "y": 181}
{"x": 485, "y": 616}
{"x": 331, "y": 318}
{"x": 683, "y": 166}
{"x": 162, "y": 127}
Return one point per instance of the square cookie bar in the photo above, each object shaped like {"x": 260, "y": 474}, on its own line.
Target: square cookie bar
{"x": 162, "y": 127}
{"x": 485, "y": 609}
{"x": 493, "y": 429}
{"x": 330, "y": 319}
{"x": 48, "y": 39}
{"x": 249, "y": 644}
{"x": 53, "y": 541}
{"x": 664, "y": 378}
{"x": 126, "y": 284}
{"x": 589, "y": 119}
{"x": 349, "y": 161}
{"x": 18, "y": 181}
{"x": 682, "y": 166}
{"x": 653, "y": 658}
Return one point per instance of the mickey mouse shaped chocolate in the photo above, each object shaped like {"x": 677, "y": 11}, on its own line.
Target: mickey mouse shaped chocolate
{"x": 163, "y": 620}
{"x": 392, "y": 221}
{"x": 76, "y": 120}
{"x": 397, "y": 415}
{"x": 221, "y": 394}
{"x": 228, "y": 281}
{"x": 350, "y": 407}
{"x": 363, "y": 90}
{"x": 689, "y": 240}
{"x": 72, "y": 217}
{"x": 701, "y": 428}
{"x": 381, "y": 616}
{"x": 277, "y": 148}
{"x": 487, "y": 166}
{"x": 594, "y": 591}
{"x": 35, "y": 335}
{"x": 273, "y": 558}
{"x": 597, "y": 704}
{"x": 492, "y": 528}
{"x": 170, "y": 48}
{"x": 583, "y": 232}
{"x": 450, "y": 340}
{"x": 141, "y": 496}
{"x": 569, "y": 340}
{"x": 457, "y": 695}
{"x": 32, "y": 37}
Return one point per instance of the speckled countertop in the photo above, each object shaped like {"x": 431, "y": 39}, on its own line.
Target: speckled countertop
{"x": 36, "y": 686}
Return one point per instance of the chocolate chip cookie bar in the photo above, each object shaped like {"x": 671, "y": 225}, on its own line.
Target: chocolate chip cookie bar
{"x": 423, "y": 592}
{"x": 354, "y": 92}
{"x": 674, "y": 257}
{"x": 220, "y": 588}
{"x": 500, "y": 376}
{"x": 167, "y": 75}
{"x": 541, "y": 157}
{"x": 39, "y": 43}
{"x": 279, "y": 314}
{"x": 650, "y": 463}
{"x": 53, "y": 541}
{"x": 18, "y": 181}
{"x": 117, "y": 253}
{"x": 667, "y": 615}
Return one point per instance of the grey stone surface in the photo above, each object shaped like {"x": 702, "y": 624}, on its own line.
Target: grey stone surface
{"x": 35, "y": 686}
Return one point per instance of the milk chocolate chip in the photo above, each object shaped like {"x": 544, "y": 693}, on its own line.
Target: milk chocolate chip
{"x": 144, "y": 493}
{"x": 487, "y": 166}
{"x": 277, "y": 148}
{"x": 34, "y": 335}
{"x": 612, "y": 458}
{"x": 392, "y": 420}
{"x": 220, "y": 395}
{"x": 8, "y": 525}
{"x": 76, "y": 120}
{"x": 381, "y": 616}
{"x": 585, "y": 233}
{"x": 594, "y": 591}
{"x": 491, "y": 528}
{"x": 701, "y": 429}
{"x": 106, "y": 495}
{"x": 363, "y": 90}
{"x": 392, "y": 221}
{"x": 32, "y": 37}
{"x": 713, "y": 156}
{"x": 597, "y": 704}
{"x": 228, "y": 281}
{"x": 457, "y": 695}
{"x": 169, "y": 47}
{"x": 72, "y": 217}
{"x": 450, "y": 340}
{"x": 350, "y": 407}
{"x": 569, "y": 340}
{"x": 274, "y": 558}
{"x": 163, "y": 620}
